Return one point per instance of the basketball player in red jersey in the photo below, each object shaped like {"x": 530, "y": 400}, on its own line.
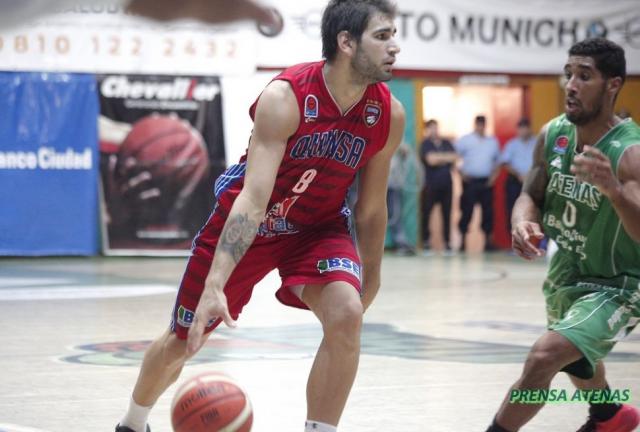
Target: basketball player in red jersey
{"x": 283, "y": 206}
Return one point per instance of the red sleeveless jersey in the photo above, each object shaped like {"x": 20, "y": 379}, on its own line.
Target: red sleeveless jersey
{"x": 322, "y": 157}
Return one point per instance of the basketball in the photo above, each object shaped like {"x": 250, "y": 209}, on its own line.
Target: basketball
{"x": 211, "y": 402}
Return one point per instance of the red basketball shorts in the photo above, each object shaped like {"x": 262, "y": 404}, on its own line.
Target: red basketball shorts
{"x": 317, "y": 256}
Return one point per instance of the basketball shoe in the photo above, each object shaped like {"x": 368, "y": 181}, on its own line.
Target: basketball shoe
{"x": 625, "y": 420}
{"x": 126, "y": 429}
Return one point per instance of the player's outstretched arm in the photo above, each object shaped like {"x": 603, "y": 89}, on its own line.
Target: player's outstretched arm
{"x": 276, "y": 119}
{"x": 208, "y": 11}
{"x": 525, "y": 219}
{"x": 371, "y": 207}
{"x": 622, "y": 189}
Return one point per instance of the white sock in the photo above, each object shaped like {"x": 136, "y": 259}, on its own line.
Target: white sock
{"x": 314, "y": 426}
{"x": 136, "y": 417}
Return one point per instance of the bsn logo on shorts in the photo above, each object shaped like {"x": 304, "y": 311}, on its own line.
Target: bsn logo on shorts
{"x": 342, "y": 264}
{"x": 185, "y": 317}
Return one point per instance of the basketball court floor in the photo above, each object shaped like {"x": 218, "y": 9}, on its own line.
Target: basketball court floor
{"x": 441, "y": 345}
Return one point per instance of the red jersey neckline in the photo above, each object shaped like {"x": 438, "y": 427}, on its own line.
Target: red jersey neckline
{"x": 336, "y": 105}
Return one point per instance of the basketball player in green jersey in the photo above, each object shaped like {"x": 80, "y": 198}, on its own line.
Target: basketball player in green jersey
{"x": 584, "y": 192}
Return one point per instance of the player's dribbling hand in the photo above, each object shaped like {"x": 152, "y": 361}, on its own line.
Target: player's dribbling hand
{"x": 212, "y": 306}
{"x": 525, "y": 238}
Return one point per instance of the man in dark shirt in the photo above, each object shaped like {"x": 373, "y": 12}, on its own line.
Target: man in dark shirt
{"x": 437, "y": 156}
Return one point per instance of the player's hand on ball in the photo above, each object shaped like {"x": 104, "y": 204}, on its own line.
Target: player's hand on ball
{"x": 525, "y": 238}
{"x": 212, "y": 306}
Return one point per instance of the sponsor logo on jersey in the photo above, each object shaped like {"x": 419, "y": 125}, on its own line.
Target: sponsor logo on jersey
{"x": 567, "y": 186}
{"x": 310, "y": 108}
{"x": 371, "y": 114}
{"x": 275, "y": 221}
{"x": 562, "y": 142}
{"x": 339, "y": 264}
{"x": 185, "y": 317}
{"x": 338, "y": 145}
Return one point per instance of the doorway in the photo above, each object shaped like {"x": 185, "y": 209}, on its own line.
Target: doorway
{"x": 455, "y": 107}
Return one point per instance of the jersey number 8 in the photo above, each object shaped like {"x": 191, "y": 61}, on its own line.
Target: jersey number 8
{"x": 305, "y": 179}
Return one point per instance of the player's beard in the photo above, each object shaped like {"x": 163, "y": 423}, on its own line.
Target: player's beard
{"x": 369, "y": 72}
{"x": 583, "y": 117}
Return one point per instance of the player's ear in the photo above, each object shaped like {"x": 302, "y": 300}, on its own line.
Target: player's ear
{"x": 346, "y": 43}
{"x": 614, "y": 85}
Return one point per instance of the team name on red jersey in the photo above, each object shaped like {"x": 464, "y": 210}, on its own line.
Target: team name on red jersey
{"x": 339, "y": 145}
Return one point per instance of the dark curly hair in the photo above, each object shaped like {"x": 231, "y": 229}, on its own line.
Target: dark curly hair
{"x": 352, "y": 16}
{"x": 608, "y": 56}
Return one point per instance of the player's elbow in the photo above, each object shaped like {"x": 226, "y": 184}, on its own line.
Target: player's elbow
{"x": 368, "y": 215}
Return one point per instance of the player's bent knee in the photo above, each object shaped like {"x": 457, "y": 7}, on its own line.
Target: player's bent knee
{"x": 542, "y": 361}
{"x": 345, "y": 318}
{"x": 551, "y": 353}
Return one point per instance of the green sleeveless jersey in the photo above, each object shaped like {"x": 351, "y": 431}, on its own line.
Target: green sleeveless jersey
{"x": 591, "y": 240}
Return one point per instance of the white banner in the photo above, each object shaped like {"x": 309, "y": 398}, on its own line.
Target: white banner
{"x": 496, "y": 36}
{"x": 503, "y": 36}
{"x": 103, "y": 39}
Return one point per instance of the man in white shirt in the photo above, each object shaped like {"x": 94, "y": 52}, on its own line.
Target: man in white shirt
{"x": 479, "y": 154}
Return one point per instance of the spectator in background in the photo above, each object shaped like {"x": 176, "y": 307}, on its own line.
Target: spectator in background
{"x": 403, "y": 164}
{"x": 438, "y": 157}
{"x": 517, "y": 158}
{"x": 479, "y": 154}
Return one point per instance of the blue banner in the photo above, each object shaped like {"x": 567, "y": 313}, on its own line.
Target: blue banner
{"x": 48, "y": 164}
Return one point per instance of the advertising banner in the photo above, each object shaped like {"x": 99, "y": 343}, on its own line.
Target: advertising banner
{"x": 503, "y": 36}
{"x": 103, "y": 38}
{"x": 161, "y": 147}
{"x": 492, "y": 36}
{"x": 48, "y": 164}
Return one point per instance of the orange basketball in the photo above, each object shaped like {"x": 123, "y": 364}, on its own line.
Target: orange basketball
{"x": 211, "y": 402}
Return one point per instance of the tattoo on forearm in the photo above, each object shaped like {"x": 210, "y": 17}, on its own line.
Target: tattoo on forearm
{"x": 237, "y": 235}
